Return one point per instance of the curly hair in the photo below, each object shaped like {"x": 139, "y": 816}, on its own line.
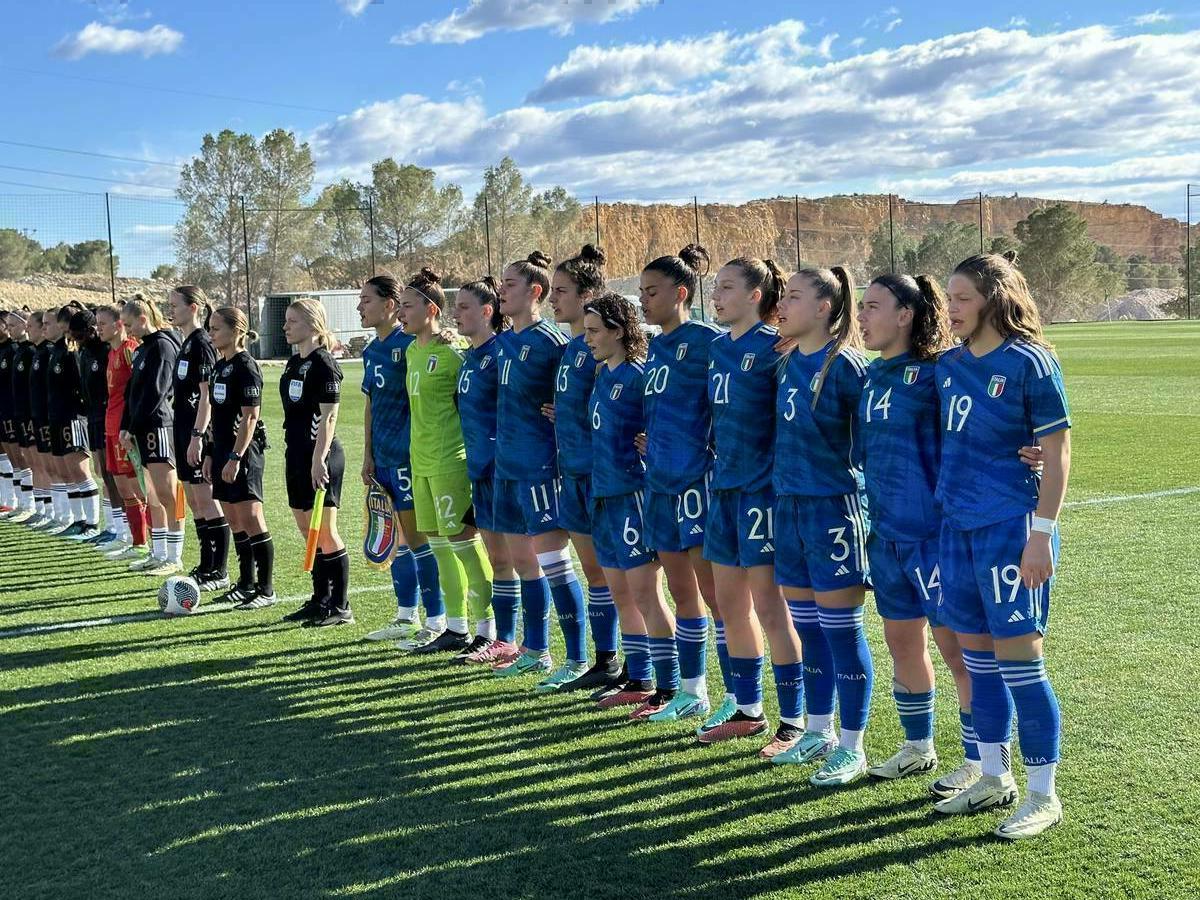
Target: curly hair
{"x": 616, "y": 312}
{"x": 931, "y": 323}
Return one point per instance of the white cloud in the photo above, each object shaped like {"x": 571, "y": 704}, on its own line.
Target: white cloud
{"x": 484, "y": 16}
{"x": 858, "y": 42}
{"x": 1018, "y": 22}
{"x": 99, "y": 38}
{"x": 893, "y": 24}
{"x": 152, "y": 229}
{"x": 825, "y": 48}
{"x": 354, "y": 7}
{"x": 1025, "y": 111}
{"x": 1158, "y": 17}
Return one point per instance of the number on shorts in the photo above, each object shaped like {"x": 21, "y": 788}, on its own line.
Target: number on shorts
{"x": 1010, "y": 576}
{"x": 884, "y": 404}
{"x": 933, "y": 583}
{"x": 688, "y": 505}
{"x": 445, "y": 508}
{"x": 720, "y": 387}
{"x": 656, "y": 382}
{"x": 762, "y": 517}
{"x": 631, "y": 535}
{"x": 839, "y": 541}
{"x": 960, "y": 405}
{"x": 151, "y": 443}
{"x": 541, "y": 494}
{"x": 403, "y": 481}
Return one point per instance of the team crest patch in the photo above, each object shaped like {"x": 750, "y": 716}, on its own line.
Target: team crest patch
{"x": 681, "y": 350}
{"x": 397, "y": 356}
{"x": 304, "y": 367}
{"x": 747, "y": 362}
{"x": 485, "y": 362}
{"x": 616, "y": 391}
{"x": 95, "y": 366}
{"x": 910, "y": 374}
{"x": 812, "y": 385}
{"x": 431, "y": 366}
{"x": 524, "y": 354}
{"x": 381, "y": 536}
{"x": 996, "y": 386}
{"x": 58, "y": 368}
{"x": 579, "y": 358}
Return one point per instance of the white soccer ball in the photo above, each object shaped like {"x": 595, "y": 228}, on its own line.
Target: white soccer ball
{"x": 179, "y": 596}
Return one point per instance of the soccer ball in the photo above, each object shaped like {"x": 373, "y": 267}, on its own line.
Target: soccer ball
{"x": 179, "y": 596}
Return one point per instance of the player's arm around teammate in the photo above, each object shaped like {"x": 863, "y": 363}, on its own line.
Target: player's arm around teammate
{"x": 740, "y": 538}
{"x": 235, "y": 460}
{"x": 310, "y": 390}
{"x": 999, "y": 539}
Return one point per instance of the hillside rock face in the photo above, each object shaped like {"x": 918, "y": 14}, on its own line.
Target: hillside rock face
{"x": 838, "y": 230}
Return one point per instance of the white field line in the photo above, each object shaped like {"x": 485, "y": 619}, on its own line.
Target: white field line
{"x": 1125, "y": 498}
{"x": 151, "y": 615}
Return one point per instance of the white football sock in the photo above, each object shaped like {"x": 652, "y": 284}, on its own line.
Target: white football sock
{"x": 175, "y": 545}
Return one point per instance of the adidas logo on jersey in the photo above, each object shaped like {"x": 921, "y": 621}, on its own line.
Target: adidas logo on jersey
{"x": 768, "y": 547}
{"x": 841, "y": 570}
{"x": 1016, "y": 617}
{"x": 697, "y": 529}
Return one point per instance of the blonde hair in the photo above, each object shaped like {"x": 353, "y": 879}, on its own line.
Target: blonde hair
{"x": 1006, "y": 295}
{"x": 837, "y": 286}
{"x": 138, "y": 305}
{"x": 313, "y": 314}
{"x": 236, "y": 319}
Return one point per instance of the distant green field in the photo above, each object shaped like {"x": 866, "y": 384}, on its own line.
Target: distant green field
{"x": 230, "y": 756}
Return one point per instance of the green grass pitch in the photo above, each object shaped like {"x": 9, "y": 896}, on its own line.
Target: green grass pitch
{"x": 229, "y": 755}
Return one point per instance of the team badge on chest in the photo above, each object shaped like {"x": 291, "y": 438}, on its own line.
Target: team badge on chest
{"x": 996, "y": 386}
{"x": 747, "y": 362}
{"x": 431, "y": 366}
{"x": 910, "y": 374}
{"x": 681, "y": 350}
{"x": 524, "y": 355}
{"x": 615, "y": 393}
{"x": 579, "y": 358}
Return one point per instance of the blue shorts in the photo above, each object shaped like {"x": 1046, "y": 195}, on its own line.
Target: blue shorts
{"x": 482, "y": 501}
{"x": 524, "y": 507}
{"x": 575, "y": 503}
{"x": 908, "y": 582}
{"x": 741, "y": 528}
{"x": 399, "y": 485}
{"x": 823, "y": 541}
{"x": 982, "y": 591}
{"x": 675, "y": 523}
{"x": 619, "y": 533}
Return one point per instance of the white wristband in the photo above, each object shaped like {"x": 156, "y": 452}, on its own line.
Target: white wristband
{"x": 1045, "y": 526}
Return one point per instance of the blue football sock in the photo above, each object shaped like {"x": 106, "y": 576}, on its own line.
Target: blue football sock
{"x": 991, "y": 711}
{"x": 852, "y": 659}
{"x": 723, "y": 656}
{"x": 1039, "y": 721}
{"x": 568, "y": 601}
{"x": 691, "y": 636}
{"x": 665, "y": 657}
{"x": 747, "y": 683}
{"x": 427, "y": 578}
{"x": 637, "y": 656}
{"x": 535, "y": 603}
{"x": 404, "y": 578}
{"x": 789, "y": 688}
{"x": 967, "y": 727}
{"x": 819, "y": 682}
{"x": 916, "y": 714}
{"x": 506, "y": 600}
{"x": 602, "y": 617}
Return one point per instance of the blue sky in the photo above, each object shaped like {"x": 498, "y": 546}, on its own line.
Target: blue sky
{"x": 629, "y": 99}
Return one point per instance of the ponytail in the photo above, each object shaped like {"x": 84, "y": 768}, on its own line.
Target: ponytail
{"x": 313, "y": 314}
{"x": 487, "y": 290}
{"x": 930, "y": 323}
{"x": 836, "y": 285}
{"x": 765, "y": 276}
{"x": 138, "y": 305}
{"x": 194, "y": 295}
{"x": 236, "y": 319}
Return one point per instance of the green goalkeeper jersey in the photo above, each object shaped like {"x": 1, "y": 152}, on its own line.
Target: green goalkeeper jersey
{"x": 437, "y": 438}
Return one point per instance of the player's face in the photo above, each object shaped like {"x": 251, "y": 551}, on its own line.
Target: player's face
{"x": 182, "y": 313}
{"x": 658, "y": 296}
{"x": 373, "y": 308}
{"x": 3, "y": 327}
{"x": 604, "y": 342}
{"x": 966, "y": 307}
{"x": 16, "y": 328}
{"x": 470, "y": 314}
{"x": 106, "y": 325}
{"x": 800, "y": 308}
{"x": 733, "y": 301}
{"x": 883, "y": 321}
{"x": 137, "y": 326}
{"x": 566, "y": 299}
{"x": 35, "y": 330}
{"x": 295, "y": 329}
{"x": 50, "y": 328}
{"x": 223, "y": 337}
{"x": 517, "y": 296}
{"x": 414, "y": 312}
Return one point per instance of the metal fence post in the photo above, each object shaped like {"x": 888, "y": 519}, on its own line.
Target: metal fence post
{"x": 1188, "y": 265}
{"x": 696, "y": 220}
{"x": 371, "y": 229}
{"x": 981, "y": 250}
{"x": 112, "y": 266}
{"x": 487, "y": 233}
{"x": 892, "y": 233}
{"x": 796, "y": 202}
{"x": 597, "y": 203}
{"x": 246, "y": 261}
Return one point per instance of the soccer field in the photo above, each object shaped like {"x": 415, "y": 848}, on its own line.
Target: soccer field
{"x": 230, "y": 755}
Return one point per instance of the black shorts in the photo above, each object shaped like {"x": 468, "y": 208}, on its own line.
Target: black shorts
{"x": 186, "y": 473}
{"x": 68, "y": 437}
{"x": 154, "y": 446}
{"x": 95, "y": 429}
{"x": 41, "y": 431}
{"x": 298, "y": 474}
{"x": 8, "y": 431}
{"x": 26, "y": 436}
{"x": 249, "y": 482}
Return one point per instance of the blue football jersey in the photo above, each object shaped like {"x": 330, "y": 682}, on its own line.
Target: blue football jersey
{"x": 616, "y": 419}
{"x": 815, "y": 447}
{"x": 528, "y": 359}
{"x": 572, "y": 391}
{"x": 384, "y": 371}
{"x": 678, "y": 423}
{"x": 477, "y": 383}
{"x": 741, "y": 389}
{"x": 900, "y": 441}
{"x": 991, "y": 406}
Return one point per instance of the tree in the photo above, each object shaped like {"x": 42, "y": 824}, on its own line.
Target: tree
{"x": 1179, "y": 306}
{"x": 1059, "y": 261}
{"x": 338, "y": 249}
{"x": 18, "y": 253}
{"x": 1003, "y": 243}
{"x": 509, "y": 202}
{"x": 411, "y": 211}
{"x": 941, "y": 249}
{"x": 89, "y": 258}
{"x": 286, "y": 177}
{"x": 209, "y": 236}
{"x": 555, "y": 217}
{"x": 879, "y": 259}
{"x": 165, "y": 272}
{"x": 1139, "y": 272}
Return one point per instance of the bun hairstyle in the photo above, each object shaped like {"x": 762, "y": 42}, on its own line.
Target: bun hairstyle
{"x": 387, "y": 287}
{"x": 487, "y": 290}
{"x": 428, "y": 284}
{"x": 64, "y": 313}
{"x": 930, "y": 323}
{"x": 313, "y": 314}
{"x": 235, "y": 319}
{"x": 762, "y": 275}
{"x": 685, "y": 268}
{"x": 586, "y": 269}
{"x": 1013, "y": 312}
{"x": 836, "y": 285}
{"x": 138, "y": 305}
{"x": 535, "y": 269}
{"x": 616, "y": 312}
{"x": 194, "y": 295}
{"x": 82, "y": 325}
